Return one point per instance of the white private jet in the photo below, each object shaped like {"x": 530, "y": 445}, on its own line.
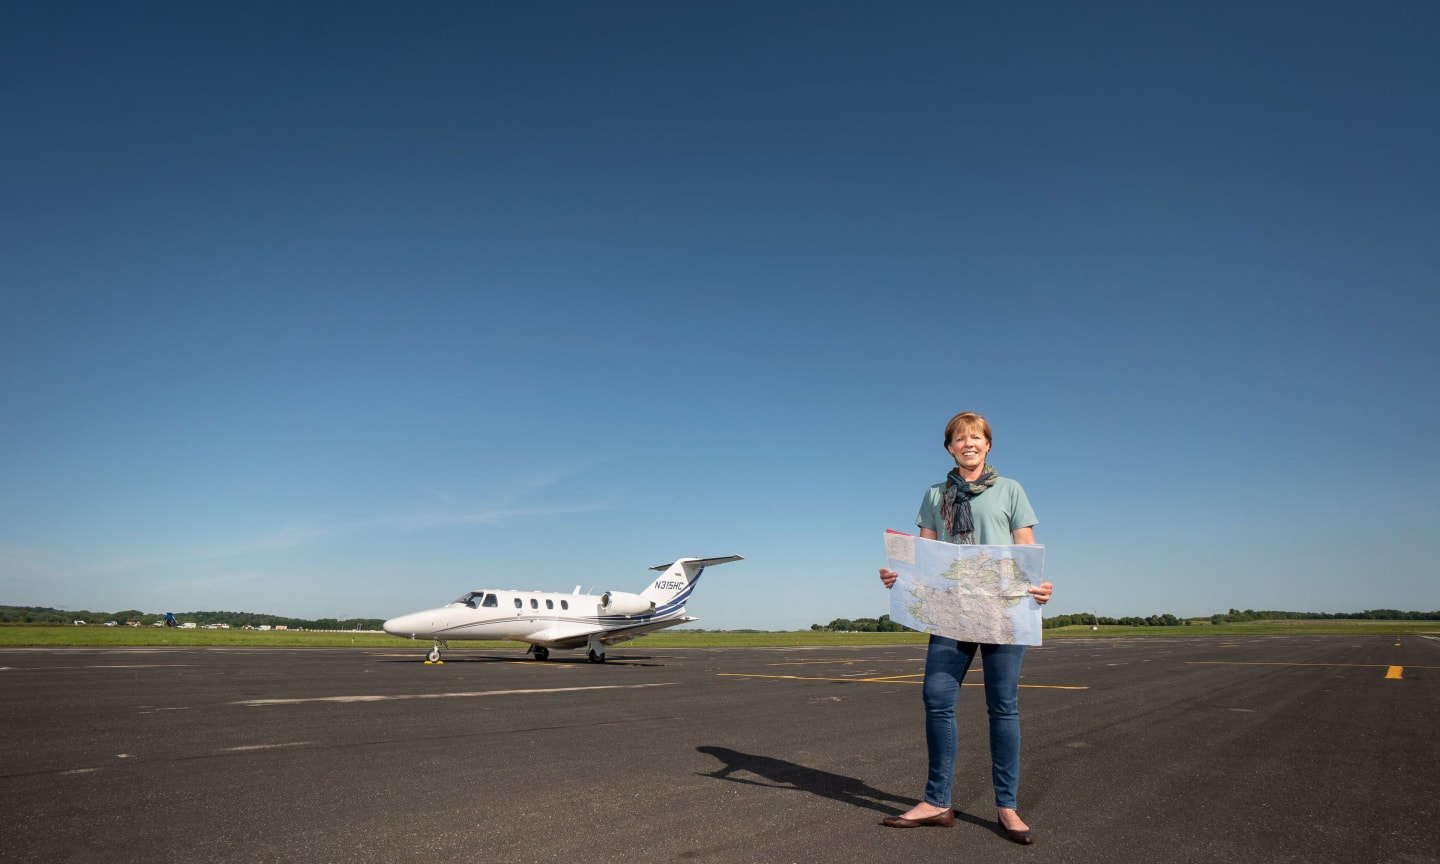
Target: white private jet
{"x": 549, "y": 621}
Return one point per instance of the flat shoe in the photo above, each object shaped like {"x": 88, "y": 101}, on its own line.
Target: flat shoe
{"x": 1024, "y": 838}
{"x": 939, "y": 820}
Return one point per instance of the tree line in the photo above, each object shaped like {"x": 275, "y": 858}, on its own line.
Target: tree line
{"x": 883, "y": 624}
{"x": 1235, "y": 616}
{"x": 1163, "y": 620}
{"x": 47, "y": 615}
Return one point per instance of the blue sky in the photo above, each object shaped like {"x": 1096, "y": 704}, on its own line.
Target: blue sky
{"x": 342, "y": 309}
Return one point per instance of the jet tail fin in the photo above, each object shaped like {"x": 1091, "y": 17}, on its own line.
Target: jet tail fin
{"x": 673, "y": 588}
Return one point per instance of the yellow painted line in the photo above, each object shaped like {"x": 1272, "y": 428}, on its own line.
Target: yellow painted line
{"x": 899, "y": 679}
{"x": 394, "y": 698}
{"x": 1258, "y": 663}
{"x": 1391, "y": 672}
{"x": 559, "y": 664}
{"x": 896, "y": 680}
{"x": 846, "y": 662}
{"x": 54, "y": 668}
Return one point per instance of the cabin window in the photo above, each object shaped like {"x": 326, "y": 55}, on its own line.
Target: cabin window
{"x": 518, "y": 604}
{"x": 549, "y": 604}
{"x": 564, "y": 604}
{"x": 534, "y": 604}
{"x": 490, "y": 601}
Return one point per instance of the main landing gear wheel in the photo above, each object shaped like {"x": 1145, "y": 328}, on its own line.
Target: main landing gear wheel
{"x": 542, "y": 653}
{"x": 434, "y": 655}
{"x": 596, "y": 656}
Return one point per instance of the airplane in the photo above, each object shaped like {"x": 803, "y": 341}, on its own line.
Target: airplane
{"x": 560, "y": 621}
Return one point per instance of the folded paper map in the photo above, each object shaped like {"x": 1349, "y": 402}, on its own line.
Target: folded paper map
{"x": 969, "y": 593}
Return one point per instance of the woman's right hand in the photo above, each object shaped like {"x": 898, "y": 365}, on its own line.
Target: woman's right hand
{"x": 888, "y": 576}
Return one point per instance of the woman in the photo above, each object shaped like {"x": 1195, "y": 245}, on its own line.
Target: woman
{"x": 973, "y": 505}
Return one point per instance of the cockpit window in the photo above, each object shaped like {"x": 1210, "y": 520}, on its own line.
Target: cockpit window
{"x": 471, "y": 599}
{"x": 490, "y": 601}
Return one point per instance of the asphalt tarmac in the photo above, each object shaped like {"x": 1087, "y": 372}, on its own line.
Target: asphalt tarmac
{"x": 1254, "y": 749}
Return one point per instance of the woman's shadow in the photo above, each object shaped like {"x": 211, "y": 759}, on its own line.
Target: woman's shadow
{"x": 787, "y": 775}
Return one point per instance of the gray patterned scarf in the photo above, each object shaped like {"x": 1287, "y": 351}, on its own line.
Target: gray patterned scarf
{"x": 955, "y": 510}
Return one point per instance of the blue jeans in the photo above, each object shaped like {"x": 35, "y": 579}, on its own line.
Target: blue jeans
{"x": 945, "y": 665}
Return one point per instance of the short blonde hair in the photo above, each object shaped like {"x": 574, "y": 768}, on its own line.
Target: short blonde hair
{"x": 964, "y": 422}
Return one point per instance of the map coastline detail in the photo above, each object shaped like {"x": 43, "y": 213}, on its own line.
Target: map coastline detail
{"x": 969, "y": 593}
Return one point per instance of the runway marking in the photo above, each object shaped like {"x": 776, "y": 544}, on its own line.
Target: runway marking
{"x": 110, "y": 666}
{"x": 1391, "y": 672}
{"x": 847, "y": 662}
{"x": 897, "y": 679}
{"x": 249, "y": 747}
{"x": 253, "y": 702}
{"x": 1278, "y": 663}
{"x": 557, "y": 664}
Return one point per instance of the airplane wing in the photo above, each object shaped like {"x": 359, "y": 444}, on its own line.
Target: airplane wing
{"x": 625, "y": 634}
{"x": 554, "y": 639}
{"x": 563, "y": 635}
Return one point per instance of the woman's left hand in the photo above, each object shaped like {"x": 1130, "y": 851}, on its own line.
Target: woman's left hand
{"x": 1042, "y": 594}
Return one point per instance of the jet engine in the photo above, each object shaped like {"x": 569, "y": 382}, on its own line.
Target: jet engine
{"x": 620, "y": 603}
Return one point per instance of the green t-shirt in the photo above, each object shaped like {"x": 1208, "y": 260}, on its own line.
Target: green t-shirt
{"x": 998, "y": 511}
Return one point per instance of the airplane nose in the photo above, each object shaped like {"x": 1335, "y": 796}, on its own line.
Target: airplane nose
{"x": 402, "y": 626}
{"x": 416, "y": 625}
